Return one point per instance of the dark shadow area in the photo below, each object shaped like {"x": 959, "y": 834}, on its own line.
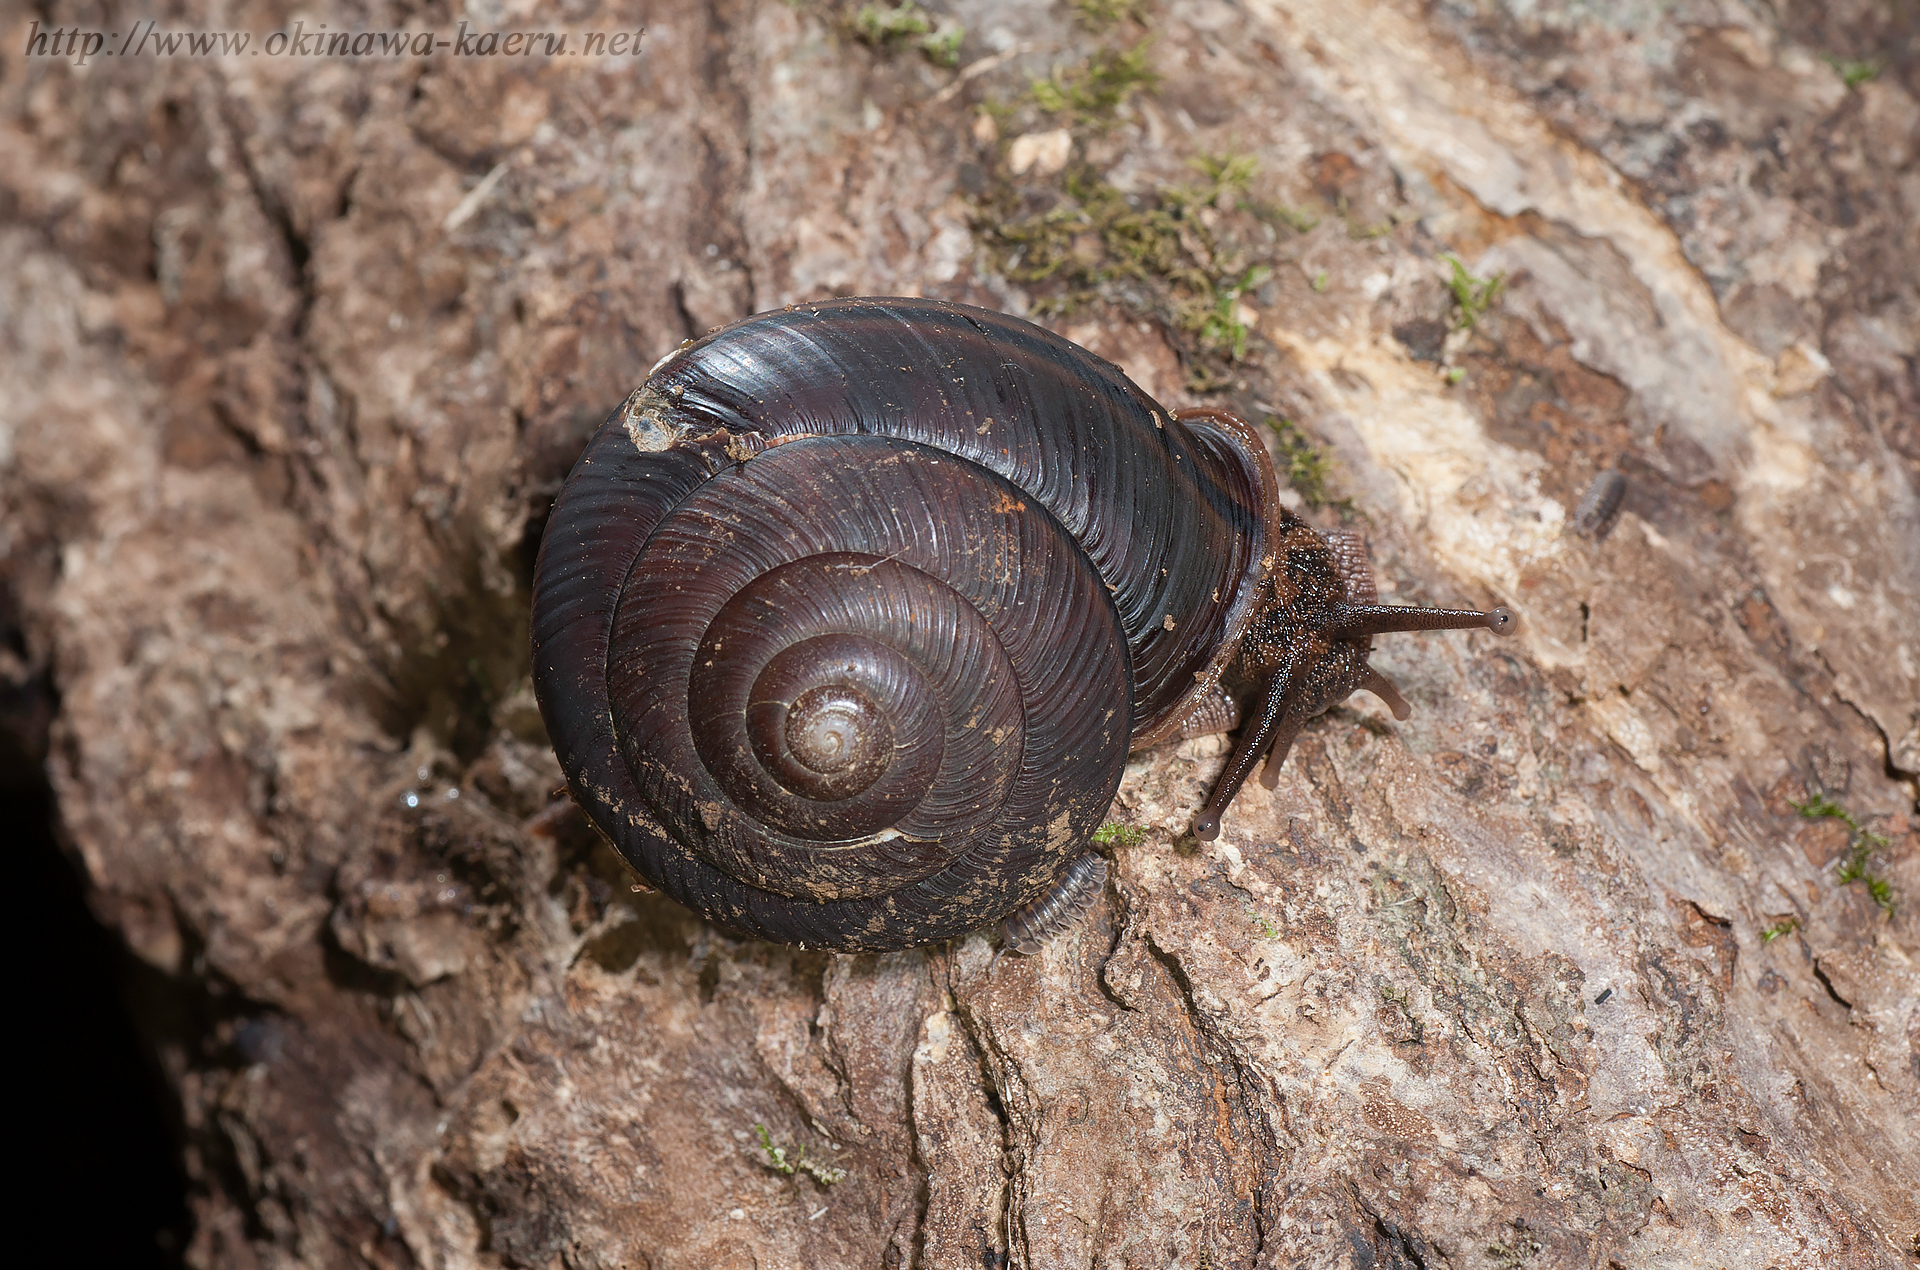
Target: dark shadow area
{"x": 97, "y": 1176}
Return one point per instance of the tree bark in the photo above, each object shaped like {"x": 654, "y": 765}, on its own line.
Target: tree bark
{"x": 1565, "y": 970}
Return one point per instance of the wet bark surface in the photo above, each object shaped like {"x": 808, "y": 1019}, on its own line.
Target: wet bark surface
{"x": 1584, "y": 964}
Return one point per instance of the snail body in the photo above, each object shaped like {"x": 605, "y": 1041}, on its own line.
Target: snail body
{"x": 846, "y": 620}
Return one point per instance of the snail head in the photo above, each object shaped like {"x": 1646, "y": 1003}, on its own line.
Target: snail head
{"x": 1307, "y": 645}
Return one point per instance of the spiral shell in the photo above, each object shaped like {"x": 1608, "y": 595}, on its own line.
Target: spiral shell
{"x": 847, "y": 618}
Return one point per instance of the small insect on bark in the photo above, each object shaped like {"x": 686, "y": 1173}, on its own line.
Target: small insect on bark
{"x": 1600, "y": 505}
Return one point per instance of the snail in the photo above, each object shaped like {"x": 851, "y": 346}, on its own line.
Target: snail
{"x": 847, "y": 619}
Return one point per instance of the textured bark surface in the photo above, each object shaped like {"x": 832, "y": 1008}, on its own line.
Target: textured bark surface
{"x": 1554, "y": 973}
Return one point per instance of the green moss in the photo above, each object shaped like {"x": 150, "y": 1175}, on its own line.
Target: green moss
{"x": 908, "y": 24}
{"x": 1155, "y": 252}
{"x": 1319, "y": 282}
{"x": 1096, "y": 235}
{"x": 943, "y": 47}
{"x": 1857, "y": 864}
{"x": 1091, "y": 92}
{"x": 1472, "y": 296}
{"x": 1114, "y": 834}
{"x": 1205, "y": 376}
{"x": 1821, "y": 807}
{"x": 1216, "y": 320}
{"x": 777, "y": 1160}
{"x": 1856, "y": 73}
{"x": 1281, "y": 216}
{"x": 1225, "y": 172}
{"x": 1228, "y": 175}
{"x": 878, "y": 25}
{"x": 1103, "y": 15}
{"x": 1774, "y": 932}
{"x": 1170, "y": 252}
{"x": 1857, "y": 867}
{"x": 1301, "y": 462}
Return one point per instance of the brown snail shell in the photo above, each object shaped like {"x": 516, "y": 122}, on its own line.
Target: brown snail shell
{"x": 846, "y": 620}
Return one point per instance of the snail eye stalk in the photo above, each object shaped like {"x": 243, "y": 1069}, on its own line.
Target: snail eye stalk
{"x": 1358, "y": 621}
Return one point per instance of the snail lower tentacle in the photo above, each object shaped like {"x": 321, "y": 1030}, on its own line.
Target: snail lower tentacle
{"x": 1269, "y": 732}
{"x": 1382, "y": 687}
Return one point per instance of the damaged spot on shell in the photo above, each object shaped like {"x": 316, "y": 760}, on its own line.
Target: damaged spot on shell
{"x": 648, "y": 423}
